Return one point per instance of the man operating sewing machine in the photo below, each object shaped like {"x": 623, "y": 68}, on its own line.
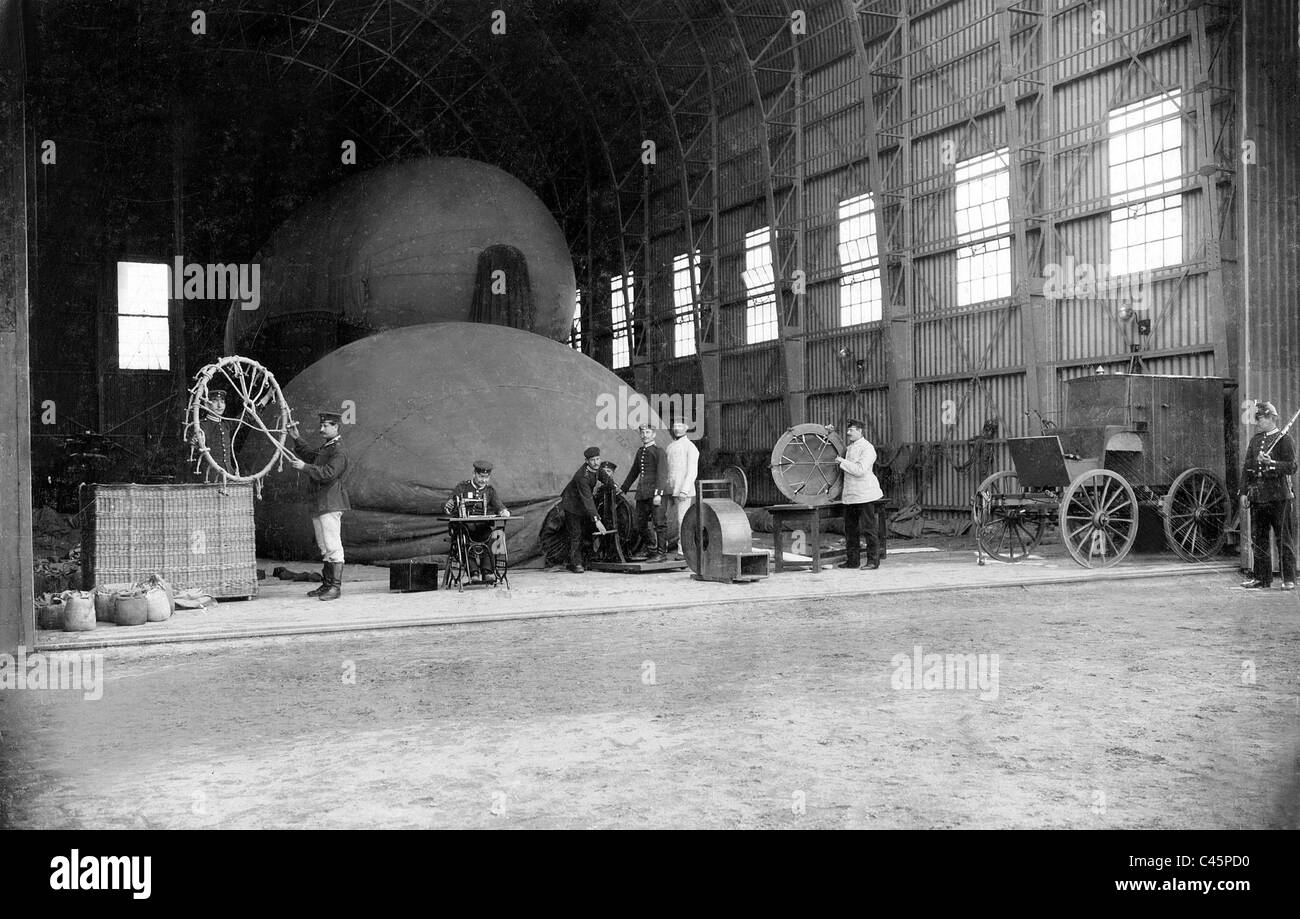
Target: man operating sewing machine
{"x": 474, "y": 497}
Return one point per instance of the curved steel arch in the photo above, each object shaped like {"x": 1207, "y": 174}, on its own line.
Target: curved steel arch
{"x": 600, "y": 137}
{"x": 792, "y": 403}
{"x": 683, "y": 176}
{"x": 491, "y": 75}
{"x": 420, "y": 16}
{"x": 353, "y": 36}
{"x": 618, "y": 184}
{"x": 262, "y": 52}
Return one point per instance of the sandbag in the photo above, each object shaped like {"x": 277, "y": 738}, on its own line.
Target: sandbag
{"x": 132, "y": 608}
{"x": 156, "y": 580}
{"x": 159, "y": 605}
{"x": 49, "y": 611}
{"x": 106, "y": 601}
{"x": 78, "y": 611}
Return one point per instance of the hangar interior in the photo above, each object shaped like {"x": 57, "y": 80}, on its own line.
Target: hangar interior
{"x": 925, "y": 213}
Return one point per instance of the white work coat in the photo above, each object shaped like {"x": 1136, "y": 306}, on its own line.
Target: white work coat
{"x": 860, "y": 483}
{"x": 683, "y": 458}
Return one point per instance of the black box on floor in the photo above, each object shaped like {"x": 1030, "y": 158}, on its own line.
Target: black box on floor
{"x": 410, "y": 577}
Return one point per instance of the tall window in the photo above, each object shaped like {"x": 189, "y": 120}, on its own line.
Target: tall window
{"x": 143, "y": 330}
{"x": 760, "y": 287}
{"x": 684, "y": 304}
{"x": 859, "y": 262}
{"x": 1145, "y": 151}
{"x": 983, "y": 214}
{"x": 575, "y": 328}
{"x": 620, "y": 302}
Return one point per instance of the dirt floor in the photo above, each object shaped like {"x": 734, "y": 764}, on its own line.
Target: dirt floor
{"x": 1170, "y": 702}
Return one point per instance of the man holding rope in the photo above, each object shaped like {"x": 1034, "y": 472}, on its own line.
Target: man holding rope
{"x": 326, "y": 468}
{"x": 1266, "y": 488}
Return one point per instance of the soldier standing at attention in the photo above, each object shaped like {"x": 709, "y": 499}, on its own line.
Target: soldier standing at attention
{"x": 650, "y": 467}
{"x": 217, "y": 437}
{"x": 1266, "y": 488}
{"x": 329, "y": 498}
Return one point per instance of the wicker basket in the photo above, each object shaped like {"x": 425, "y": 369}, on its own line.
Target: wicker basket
{"x": 194, "y": 535}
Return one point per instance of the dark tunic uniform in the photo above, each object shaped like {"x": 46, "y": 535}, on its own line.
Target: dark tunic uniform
{"x": 325, "y": 468}
{"x": 467, "y": 489}
{"x": 577, "y": 497}
{"x": 579, "y": 505}
{"x": 480, "y": 533}
{"x": 650, "y": 472}
{"x": 1268, "y": 487}
{"x": 217, "y": 438}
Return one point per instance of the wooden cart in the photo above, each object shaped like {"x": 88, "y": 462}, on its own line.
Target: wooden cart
{"x": 1127, "y": 441}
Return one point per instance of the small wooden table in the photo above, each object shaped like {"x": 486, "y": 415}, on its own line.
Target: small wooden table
{"x": 799, "y": 512}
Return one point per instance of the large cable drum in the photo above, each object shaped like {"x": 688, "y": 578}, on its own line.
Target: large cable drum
{"x": 722, "y": 549}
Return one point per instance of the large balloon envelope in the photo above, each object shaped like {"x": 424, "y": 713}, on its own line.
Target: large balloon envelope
{"x": 427, "y": 401}
{"x": 440, "y": 239}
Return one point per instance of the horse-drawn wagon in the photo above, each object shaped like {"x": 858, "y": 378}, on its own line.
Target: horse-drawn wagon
{"x": 1127, "y": 441}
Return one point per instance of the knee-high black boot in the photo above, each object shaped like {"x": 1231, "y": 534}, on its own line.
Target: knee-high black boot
{"x": 324, "y": 581}
{"x": 336, "y": 582}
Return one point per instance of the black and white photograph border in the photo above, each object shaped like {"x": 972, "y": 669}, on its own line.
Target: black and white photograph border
{"x": 673, "y": 414}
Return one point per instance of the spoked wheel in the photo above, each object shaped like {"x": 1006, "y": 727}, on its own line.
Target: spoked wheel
{"x": 624, "y": 519}
{"x": 1006, "y": 526}
{"x": 1196, "y": 511}
{"x": 1099, "y": 518}
{"x": 805, "y": 464}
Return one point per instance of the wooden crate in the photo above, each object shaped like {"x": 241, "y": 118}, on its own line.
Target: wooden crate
{"x": 194, "y": 535}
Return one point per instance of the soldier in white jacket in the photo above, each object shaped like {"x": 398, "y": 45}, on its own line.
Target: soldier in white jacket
{"x": 861, "y": 492}
{"x": 683, "y": 462}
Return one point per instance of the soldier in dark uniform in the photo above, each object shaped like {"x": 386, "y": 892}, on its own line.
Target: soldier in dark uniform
{"x": 650, "y": 472}
{"x": 1266, "y": 487}
{"x": 579, "y": 503}
{"x": 478, "y": 496}
{"x": 329, "y": 498}
{"x": 217, "y": 437}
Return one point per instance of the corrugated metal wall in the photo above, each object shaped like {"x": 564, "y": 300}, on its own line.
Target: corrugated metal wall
{"x": 970, "y": 365}
{"x": 1270, "y": 318}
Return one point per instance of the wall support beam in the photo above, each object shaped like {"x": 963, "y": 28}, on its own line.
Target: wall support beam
{"x": 17, "y": 613}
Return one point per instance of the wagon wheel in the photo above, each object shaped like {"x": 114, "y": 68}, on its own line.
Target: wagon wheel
{"x": 1196, "y": 511}
{"x": 1005, "y": 528}
{"x": 1099, "y": 518}
{"x": 804, "y": 464}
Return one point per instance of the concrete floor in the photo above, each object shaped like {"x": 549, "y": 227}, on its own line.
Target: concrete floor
{"x": 1150, "y": 702}
{"x": 281, "y": 608}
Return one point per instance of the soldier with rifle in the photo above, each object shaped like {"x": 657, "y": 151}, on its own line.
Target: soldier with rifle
{"x": 1266, "y": 489}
